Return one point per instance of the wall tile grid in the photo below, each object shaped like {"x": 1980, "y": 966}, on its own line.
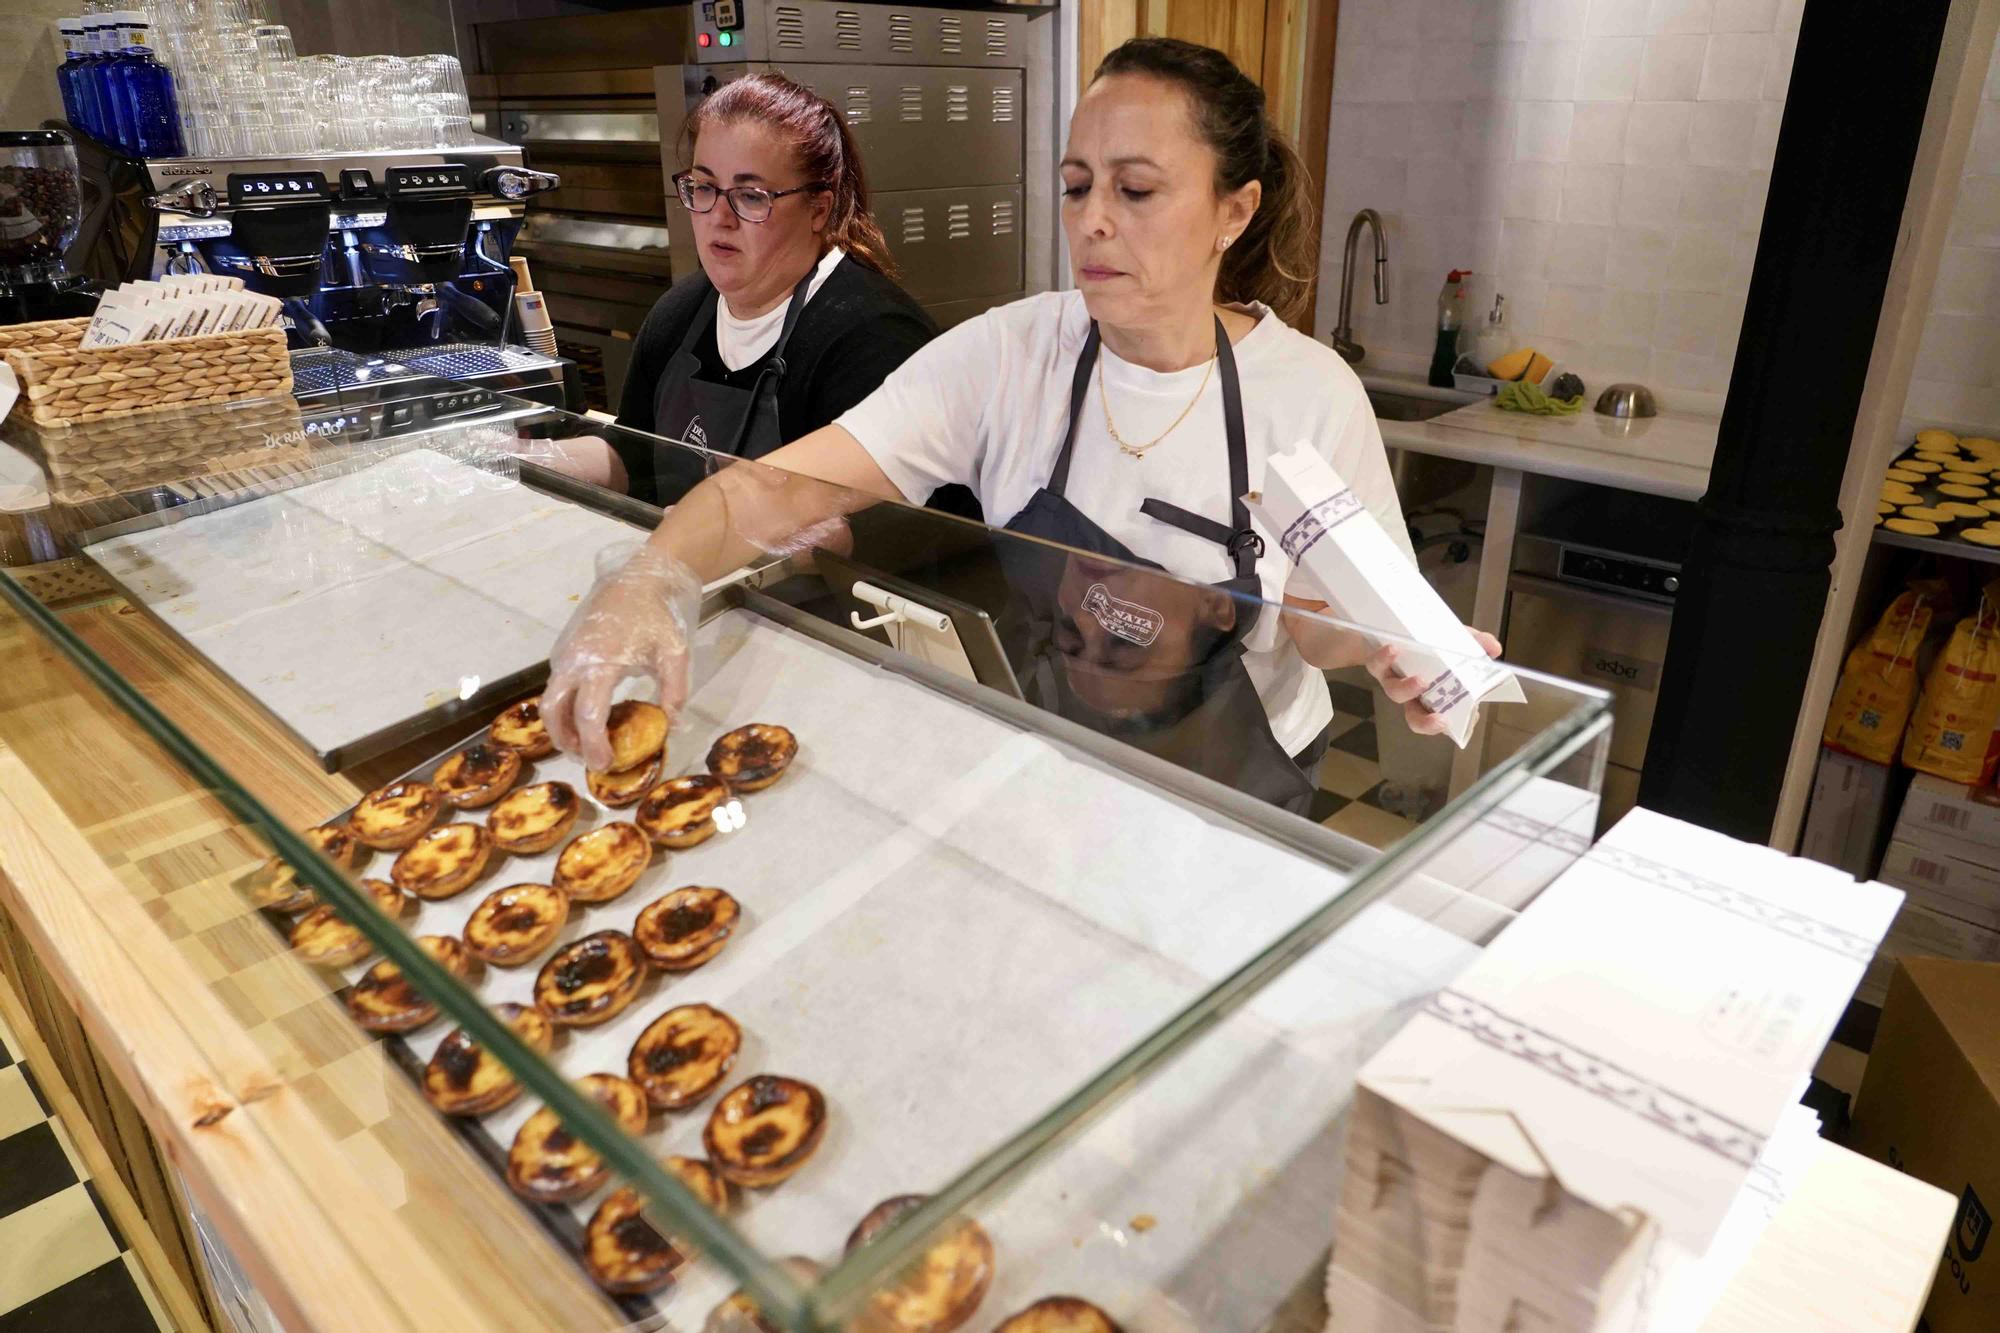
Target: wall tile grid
{"x": 1957, "y": 379}
{"x": 1601, "y": 162}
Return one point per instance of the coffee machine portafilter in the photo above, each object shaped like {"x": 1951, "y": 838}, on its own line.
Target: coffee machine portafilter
{"x": 390, "y": 251}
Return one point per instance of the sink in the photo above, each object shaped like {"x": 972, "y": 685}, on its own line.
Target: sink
{"x": 1392, "y": 406}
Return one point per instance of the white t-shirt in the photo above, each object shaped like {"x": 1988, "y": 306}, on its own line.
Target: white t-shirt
{"x": 986, "y": 404}
{"x": 742, "y": 341}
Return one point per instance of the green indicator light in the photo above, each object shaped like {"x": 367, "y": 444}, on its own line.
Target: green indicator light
{"x": 728, "y": 39}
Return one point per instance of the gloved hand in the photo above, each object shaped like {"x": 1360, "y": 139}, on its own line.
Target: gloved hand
{"x": 637, "y": 621}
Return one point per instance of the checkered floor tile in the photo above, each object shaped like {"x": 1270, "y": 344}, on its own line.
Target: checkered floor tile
{"x": 64, "y": 1267}
{"x": 1350, "y": 795}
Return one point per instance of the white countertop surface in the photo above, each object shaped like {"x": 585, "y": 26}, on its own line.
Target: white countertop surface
{"x": 1664, "y": 455}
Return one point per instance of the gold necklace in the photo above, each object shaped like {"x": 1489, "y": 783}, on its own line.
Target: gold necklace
{"x": 1139, "y": 450}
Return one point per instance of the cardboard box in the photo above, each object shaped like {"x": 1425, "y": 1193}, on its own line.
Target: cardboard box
{"x": 1958, "y": 888}
{"x": 1920, "y": 930}
{"x": 1849, "y": 813}
{"x": 1951, "y": 818}
{"x": 1928, "y": 1106}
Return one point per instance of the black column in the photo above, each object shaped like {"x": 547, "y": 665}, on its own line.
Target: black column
{"x": 1756, "y": 576}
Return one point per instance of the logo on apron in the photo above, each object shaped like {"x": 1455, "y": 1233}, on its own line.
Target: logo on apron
{"x": 1127, "y": 620}
{"x": 695, "y": 434}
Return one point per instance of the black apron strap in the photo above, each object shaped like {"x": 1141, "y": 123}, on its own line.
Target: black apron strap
{"x": 1079, "y": 385}
{"x": 774, "y": 370}
{"x": 1243, "y": 543}
{"x": 1187, "y": 521}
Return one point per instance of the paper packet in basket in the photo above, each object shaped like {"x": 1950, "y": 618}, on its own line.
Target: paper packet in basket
{"x": 1326, "y": 530}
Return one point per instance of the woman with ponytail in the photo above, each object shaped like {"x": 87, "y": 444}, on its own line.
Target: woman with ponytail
{"x": 794, "y": 316}
{"x": 1121, "y": 423}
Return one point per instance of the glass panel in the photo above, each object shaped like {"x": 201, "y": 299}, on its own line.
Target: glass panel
{"x": 1011, "y": 878}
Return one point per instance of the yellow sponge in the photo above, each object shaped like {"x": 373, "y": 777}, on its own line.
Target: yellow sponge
{"x": 1538, "y": 368}
{"x": 1512, "y": 365}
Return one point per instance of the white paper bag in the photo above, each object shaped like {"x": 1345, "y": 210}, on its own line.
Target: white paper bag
{"x": 1327, "y": 531}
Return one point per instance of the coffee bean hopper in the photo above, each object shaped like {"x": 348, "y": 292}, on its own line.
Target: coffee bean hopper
{"x": 40, "y": 207}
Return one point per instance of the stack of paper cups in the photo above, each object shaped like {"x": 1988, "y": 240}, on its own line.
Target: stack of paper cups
{"x": 537, "y": 330}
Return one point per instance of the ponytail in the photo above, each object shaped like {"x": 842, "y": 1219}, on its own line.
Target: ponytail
{"x": 1273, "y": 260}
{"x": 823, "y": 145}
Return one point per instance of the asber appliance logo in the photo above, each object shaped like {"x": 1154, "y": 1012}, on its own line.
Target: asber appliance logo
{"x": 1975, "y": 1224}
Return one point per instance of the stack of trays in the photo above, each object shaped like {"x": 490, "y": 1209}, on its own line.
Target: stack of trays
{"x": 1944, "y": 486}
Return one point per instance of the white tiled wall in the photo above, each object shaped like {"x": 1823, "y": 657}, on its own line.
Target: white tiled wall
{"x": 1957, "y": 379}
{"x": 1603, "y": 162}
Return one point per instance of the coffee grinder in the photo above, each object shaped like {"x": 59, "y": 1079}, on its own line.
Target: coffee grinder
{"x": 41, "y": 205}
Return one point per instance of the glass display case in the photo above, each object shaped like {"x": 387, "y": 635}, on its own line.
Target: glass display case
{"x": 977, "y": 1002}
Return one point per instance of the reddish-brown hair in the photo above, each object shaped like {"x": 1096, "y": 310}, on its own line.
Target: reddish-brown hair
{"x": 821, "y": 142}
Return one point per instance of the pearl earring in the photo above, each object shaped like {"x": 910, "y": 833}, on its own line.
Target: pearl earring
{"x": 1224, "y": 243}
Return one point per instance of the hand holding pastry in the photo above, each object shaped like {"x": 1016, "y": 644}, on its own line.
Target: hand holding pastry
{"x": 636, "y": 621}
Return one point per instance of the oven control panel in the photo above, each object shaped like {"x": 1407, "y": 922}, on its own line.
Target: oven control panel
{"x": 1613, "y": 572}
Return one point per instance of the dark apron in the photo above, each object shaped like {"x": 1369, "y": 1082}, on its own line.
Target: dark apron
{"x": 740, "y": 422}
{"x": 1194, "y": 702}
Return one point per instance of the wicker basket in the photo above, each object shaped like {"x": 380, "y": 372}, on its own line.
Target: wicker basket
{"x": 64, "y": 384}
{"x": 92, "y": 460}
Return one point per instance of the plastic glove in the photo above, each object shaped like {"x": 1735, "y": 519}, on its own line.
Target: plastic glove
{"x": 637, "y": 621}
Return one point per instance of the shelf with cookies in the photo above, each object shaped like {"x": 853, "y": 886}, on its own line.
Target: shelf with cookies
{"x": 856, "y": 991}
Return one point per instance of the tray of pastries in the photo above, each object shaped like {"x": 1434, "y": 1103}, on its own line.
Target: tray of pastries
{"x": 818, "y": 946}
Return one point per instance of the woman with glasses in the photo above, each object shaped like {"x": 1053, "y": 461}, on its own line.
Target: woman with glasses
{"x": 794, "y": 317}
{"x": 1121, "y": 423}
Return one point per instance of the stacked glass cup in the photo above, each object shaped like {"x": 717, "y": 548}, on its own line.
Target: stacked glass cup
{"x": 246, "y": 92}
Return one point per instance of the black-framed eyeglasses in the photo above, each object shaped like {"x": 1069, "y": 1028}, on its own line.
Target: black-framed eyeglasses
{"x": 752, "y": 203}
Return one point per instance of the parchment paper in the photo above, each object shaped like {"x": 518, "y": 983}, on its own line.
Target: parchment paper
{"x": 949, "y": 925}
{"x": 349, "y": 605}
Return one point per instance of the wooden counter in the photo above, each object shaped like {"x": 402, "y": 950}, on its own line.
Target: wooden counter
{"x": 349, "y": 1202}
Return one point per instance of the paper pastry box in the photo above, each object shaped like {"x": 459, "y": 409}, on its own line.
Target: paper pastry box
{"x": 1327, "y": 531}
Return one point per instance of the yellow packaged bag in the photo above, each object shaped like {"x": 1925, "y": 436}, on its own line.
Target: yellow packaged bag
{"x": 1879, "y": 683}
{"x": 1953, "y": 726}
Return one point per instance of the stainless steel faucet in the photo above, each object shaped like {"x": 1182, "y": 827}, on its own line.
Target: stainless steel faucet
{"x": 1343, "y": 333}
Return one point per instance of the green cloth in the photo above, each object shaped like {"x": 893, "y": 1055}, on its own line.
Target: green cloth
{"x": 1521, "y": 396}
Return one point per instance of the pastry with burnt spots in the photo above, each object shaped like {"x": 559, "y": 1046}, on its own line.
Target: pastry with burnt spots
{"x": 680, "y": 812}
{"x": 477, "y": 776}
{"x": 391, "y": 818}
{"x": 384, "y": 1000}
{"x": 323, "y": 938}
{"x": 534, "y": 818}
{"x": 941, "y": 1290}
{"x": 512, "y": 926}
{"x": 752, "y": 758}
{"x": 740, "y": 1312}
{"x": 591, "y": 980}
{"x": 551, "y": 1165}
{"x": 463, "y": 1078}
{"x": 638, "y": 732}
{"x": 392, "y": 900}
{"x": 683, "y": 1054}
{"x": 686, "y": 928}
{"x": 443, "y": 862}
{"x": 1060, "y": 1314}
{"x": 624, "y": 1253}
{"x": 622, "y": 788}
{"x": 276, "y": 887}
{"x": 701, "y": 1180}
{"x": 520, "y": 729}
{"x": 602, "y": 864}
{"x": 764, "y": 1130}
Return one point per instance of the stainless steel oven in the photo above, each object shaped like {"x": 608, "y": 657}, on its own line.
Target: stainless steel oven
{"x": 1591, "y": 598}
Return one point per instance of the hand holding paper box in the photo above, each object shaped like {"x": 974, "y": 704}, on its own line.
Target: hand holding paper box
{"x": 1327, "y": 531}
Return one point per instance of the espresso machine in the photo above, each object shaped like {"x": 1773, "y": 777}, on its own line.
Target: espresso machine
{"x": 388, "y": 261}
